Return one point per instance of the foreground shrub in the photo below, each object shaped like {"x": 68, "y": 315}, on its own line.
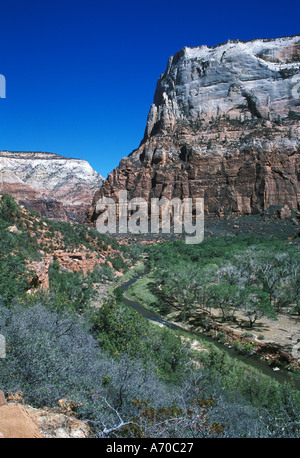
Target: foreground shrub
{"x": 52, "y": 355}
{"x": 120, "y": 329}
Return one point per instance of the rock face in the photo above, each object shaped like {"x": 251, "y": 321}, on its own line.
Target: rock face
{"x": 16, "y": 422}
{"x": 81, "y": 261}
{"x": 224, "y": 125}
{"x": 23, "y": 421}
{"x": 58, "y": 425}
{"x": 55, "y": 186}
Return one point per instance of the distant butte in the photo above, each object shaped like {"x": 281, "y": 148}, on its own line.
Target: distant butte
{"x": 55, "y": 186}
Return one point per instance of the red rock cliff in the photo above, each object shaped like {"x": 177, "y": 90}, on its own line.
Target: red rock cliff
{"x": 224, "y": 124}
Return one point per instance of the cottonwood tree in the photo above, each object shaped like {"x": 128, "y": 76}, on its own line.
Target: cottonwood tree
{"x": 226, "y": 297}
{"x": 256, "y": 304}
{"x": 179, "y": 289}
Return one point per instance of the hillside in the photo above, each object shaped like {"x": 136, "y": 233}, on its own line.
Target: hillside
{"x": 79, "y": 363}
{"x": 35, "y": 247}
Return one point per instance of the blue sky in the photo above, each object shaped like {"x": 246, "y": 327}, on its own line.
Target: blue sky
{"x": 81, "y": 74}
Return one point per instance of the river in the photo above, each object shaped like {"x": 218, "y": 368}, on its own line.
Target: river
{"x": 281, "y": 376}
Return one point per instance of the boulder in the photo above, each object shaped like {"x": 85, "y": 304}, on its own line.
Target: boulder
{"x": 16, "y": 422}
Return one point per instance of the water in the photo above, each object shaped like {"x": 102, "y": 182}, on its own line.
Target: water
{"x": 281, "y": 376}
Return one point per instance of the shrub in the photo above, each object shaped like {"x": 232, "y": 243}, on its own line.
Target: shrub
{"x": 9, "y": 209}
{"x": 120, "y": 329}
{"x": 117, "y": 262}
{"x": 51, "y": 355}
{"x": 76, "y": 289}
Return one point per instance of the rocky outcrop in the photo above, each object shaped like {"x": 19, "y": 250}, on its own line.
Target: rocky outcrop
{"x": 224, "y": 125}
{"x": 56, "y": 425}
{"x": 236, "y": 79}
{"x": 16, "y": 422}
{"x": 55, "y": 186}
{"x": 19, "y": 421}
{"x": 81, "y": 261}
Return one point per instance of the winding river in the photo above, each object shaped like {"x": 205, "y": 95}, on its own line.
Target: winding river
{"x": 281, "y": 376}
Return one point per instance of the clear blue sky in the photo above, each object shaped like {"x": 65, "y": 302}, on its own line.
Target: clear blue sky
{"x": 81, "y": 74}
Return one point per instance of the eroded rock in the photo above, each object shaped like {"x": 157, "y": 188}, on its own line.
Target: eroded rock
{"x": 55, "y": 186}
{"x": 224, "y": 125}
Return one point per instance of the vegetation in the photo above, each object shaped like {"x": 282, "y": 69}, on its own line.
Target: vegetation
{"x": 122, "y": 374}
{"x": 121, "y": 330}
{"x": 231, "y": 274}
{"x": 54, "y": 355}
{"x": 75, "y": 289}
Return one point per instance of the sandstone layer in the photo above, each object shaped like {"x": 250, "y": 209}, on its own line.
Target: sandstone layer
{"x": 16, "y": 422}
{"x": 55, "y": 186}
{"x": 224, "y": 125}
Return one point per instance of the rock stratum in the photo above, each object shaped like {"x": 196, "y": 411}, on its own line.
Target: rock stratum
{"x": 224, "y": 125}
{"x": 55, "y": 186}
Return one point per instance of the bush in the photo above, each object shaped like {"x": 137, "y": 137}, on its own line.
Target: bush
{"x": 74, "y": 290}
{"x": 117, "y": 262}
{"x": 118, "y": 294}
{"x": 120, "y": 329}
{"x": 9, "y": 209}
{"x": 51, "y": 355}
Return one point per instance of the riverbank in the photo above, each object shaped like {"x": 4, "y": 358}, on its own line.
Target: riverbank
{"x": 269, "y": 358}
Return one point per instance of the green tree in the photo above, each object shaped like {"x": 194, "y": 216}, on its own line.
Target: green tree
{"x": 70, "y": 288}
{"x": 119, "y": 329}
{"x": 256, "y": 304}
{"x": 9, "y": 209}
{"x": 224, "y": 296}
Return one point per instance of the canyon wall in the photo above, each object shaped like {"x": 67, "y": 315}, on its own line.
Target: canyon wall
{"x": 224, "y": 125}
